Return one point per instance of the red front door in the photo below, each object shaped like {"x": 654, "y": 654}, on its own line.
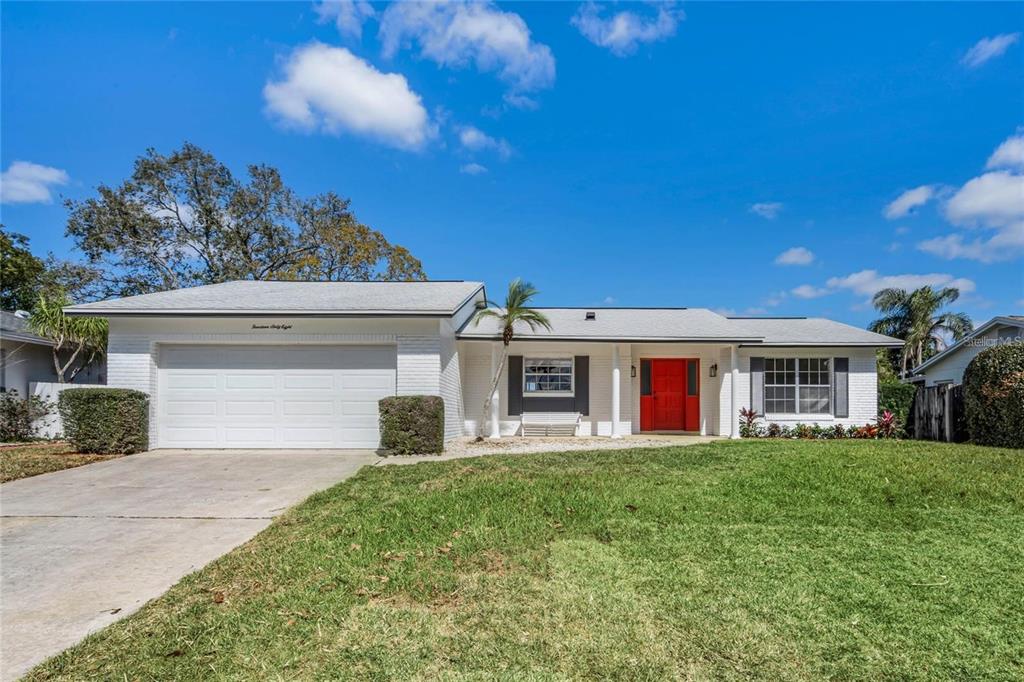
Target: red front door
{"x": 668, "y": 385}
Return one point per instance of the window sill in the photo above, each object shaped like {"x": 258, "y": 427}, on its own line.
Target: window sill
{"x": 798, "y": 417}
{"x": 548, "y": 394}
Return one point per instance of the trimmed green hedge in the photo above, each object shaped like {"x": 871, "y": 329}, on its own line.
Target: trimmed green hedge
{"x": 412, "y": 424}
{"x": 105, "y": 420}
{"x": 896, "y": 397}
{"x": 994, "y": 396}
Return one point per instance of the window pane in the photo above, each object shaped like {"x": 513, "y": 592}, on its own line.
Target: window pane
{"x": 691, "y": 377}
{"x": 547, "y": 375}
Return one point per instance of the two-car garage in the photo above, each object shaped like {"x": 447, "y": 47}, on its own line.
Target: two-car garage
{"x": 243, "y": 396}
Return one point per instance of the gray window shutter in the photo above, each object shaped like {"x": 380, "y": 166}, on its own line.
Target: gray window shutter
{"x": 842, "y": 387}
{"x": 757, "y": 385}
{"x": 581, "y": 381}
{"x": 515, "y": 385}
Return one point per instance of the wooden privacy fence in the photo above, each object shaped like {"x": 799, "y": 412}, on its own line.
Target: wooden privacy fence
{"x": 938, "y": 414}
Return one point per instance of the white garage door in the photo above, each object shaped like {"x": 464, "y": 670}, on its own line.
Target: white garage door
{"x": 272, "y": 396}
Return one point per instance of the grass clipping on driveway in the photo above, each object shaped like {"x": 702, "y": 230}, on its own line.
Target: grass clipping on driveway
{"x": 32, "y": 459}
{"x": 764, "y": 559}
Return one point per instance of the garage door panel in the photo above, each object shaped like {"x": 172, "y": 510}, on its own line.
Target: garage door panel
{"x": 192, "y": 382}
{"x": 249, "y": 408}
{"x": 265, "y": 397}
{"x": 192, "y": 408}
{"x": 248, "y": 382}
{"x": 355, "y": 407}
{"x": 310, "y": 382}
{"x": 321, "y": 437}
{"x": 309, "y": 408}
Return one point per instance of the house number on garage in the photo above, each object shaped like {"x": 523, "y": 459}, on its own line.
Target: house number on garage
{"x": 282, "y": 327}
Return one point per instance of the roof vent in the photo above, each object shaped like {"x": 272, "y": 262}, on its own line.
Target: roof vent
{"x": 591, "y": 315}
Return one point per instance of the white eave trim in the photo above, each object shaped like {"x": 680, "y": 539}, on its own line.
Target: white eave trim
{"x": 23, "y": 338}
{"x": 616, "y": 339}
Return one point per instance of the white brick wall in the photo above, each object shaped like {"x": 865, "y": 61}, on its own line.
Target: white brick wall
{"x": 476, "y": 377}
{"x": 451, "y": 384}
{"x": 133, "y": 348}
{"x": 419, "y": 365}
{"x": 863, "y": 384}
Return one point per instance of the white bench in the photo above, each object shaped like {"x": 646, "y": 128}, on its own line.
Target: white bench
{"x": 550, "y": 423}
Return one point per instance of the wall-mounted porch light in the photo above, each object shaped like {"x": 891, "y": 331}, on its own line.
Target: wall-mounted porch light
{"x": 632, "y": 371}
{"x": 713, "y": 370}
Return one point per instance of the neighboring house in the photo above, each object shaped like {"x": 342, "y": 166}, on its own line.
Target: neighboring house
{"x": 302, "y": 364}
{"x": 948, "y": 366}
{"x": 26, "y": 357}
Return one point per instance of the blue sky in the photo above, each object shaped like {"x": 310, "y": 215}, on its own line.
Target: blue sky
{"x": 782, "y": 159}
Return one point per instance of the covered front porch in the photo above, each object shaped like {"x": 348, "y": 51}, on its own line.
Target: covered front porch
{"x": 607, "y": 389}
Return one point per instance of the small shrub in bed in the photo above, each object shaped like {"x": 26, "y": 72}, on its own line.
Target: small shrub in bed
{"x": 896, "y": 397}
{"x": 105, "y": 420}
{"x": 18, "y": 416}
{"x": 412, "y": 424}
{"x": 994, "y": 396}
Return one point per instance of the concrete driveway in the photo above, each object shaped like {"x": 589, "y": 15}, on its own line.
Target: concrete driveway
{"x": 84, "y": 547}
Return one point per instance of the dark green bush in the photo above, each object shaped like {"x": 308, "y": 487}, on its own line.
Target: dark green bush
{"x": 18, "y": 416}
{"x": 994, "y": 396}
{"x": 896, "y": 397}
{"x": 105, "y": 420}
{"x": 412, "y": 424}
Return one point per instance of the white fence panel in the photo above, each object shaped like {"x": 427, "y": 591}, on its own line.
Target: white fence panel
{"x": 50, "y": 426}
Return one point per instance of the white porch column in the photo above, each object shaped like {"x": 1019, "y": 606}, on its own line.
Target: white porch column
{"x": 495, "y": 430}
{"x": 616, "y": 387}
{"x": 734, "y": 423}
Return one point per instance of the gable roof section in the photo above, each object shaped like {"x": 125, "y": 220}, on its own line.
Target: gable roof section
{"x": 14, "y": 328}
{"x": 251, "y": 298}
{"x": 1004, "y": 320}
{"x": 682, "y": 325}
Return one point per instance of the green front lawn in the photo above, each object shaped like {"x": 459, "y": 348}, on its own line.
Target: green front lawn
{"x": 763, "y": 559}
{"x": 32, "y": 459}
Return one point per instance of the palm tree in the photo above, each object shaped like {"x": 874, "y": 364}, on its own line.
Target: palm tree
{"x": 516, "y": 309}
{"x": 85, "y": 338}
{"x": 914, "y": 317}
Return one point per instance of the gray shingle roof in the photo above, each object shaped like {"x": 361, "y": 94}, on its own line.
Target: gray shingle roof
{"x": 621, "y": 323}
{"x": 16, "y": 328}
{"x": 294, "y": 298}
{"x": 683, "y": 324}
{"x": 812, "y": 331}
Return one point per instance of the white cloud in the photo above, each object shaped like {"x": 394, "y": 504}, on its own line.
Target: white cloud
{"x": 331, "y": 89}
{"x": 476, "y": 140}
{"x": 767, "y": 210}
{"x": 809, "y": 291}
{"x": 994, "y": 199}
{"x": 609, "y": 300}
{"x": 1010, "y": 154}
{"x": 797, "y": 255}
{"x": 988, "y": 48}
{"x": 1005, "y": 244}
{"x": 347, "y": 15}
{"x": 869, "y": 282}
{"x": 473, "y": 169}
{"x": 457, "y": 34}
{"x": 908, "y": 201}
{"x": 621, "y": 32}
{"x": 25, "y": 182}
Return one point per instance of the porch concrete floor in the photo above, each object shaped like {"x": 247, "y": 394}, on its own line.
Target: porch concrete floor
{"x": 517, "y": 445}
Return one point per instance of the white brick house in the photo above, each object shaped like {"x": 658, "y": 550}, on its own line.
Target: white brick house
{"x": 303, "y": 364}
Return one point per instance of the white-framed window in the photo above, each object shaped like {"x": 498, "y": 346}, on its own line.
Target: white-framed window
{"x": 547, "y": 376}
{"x": 797, "y": 385}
